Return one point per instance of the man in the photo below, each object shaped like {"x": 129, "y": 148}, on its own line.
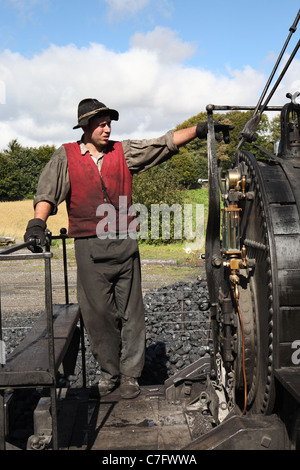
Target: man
{"x": 89, "y": 174}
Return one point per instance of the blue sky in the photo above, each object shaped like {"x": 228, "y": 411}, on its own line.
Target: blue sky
{"x": 222, "y": 32}
{"x": 157, "y": 61}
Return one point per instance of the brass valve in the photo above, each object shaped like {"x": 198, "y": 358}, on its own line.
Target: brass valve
{"x": 235, "y": 280}
{"x": 235, "y": 263}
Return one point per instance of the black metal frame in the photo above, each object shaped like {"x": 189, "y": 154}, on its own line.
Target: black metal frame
{"x": 63, "y": 237}
{"x": 7, "y": 255}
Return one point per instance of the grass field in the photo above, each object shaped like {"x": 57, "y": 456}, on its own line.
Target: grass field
{"x": 15, "y": 215}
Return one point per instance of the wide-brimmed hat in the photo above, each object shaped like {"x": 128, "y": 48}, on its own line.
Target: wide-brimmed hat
{"x": 91, "y": 107}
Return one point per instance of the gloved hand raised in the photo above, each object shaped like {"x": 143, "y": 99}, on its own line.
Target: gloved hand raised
{"x": 202, "y": 130}
{"x": 36, "y": 231}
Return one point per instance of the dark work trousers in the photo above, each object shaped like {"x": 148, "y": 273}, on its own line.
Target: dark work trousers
{"x": 110, "y": 298}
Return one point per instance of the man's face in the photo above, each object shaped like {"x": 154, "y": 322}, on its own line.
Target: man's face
{"x": 98, "y": 131}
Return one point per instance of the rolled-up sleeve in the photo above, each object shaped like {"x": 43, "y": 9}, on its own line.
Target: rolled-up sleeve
{"x": 54, "y": 182}
{"x": 141, "y": 155}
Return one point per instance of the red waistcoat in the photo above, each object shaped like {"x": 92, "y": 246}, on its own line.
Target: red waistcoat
{"x": 87, "y": 209}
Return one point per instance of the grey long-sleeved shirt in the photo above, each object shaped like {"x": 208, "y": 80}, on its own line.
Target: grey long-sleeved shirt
{"x": 140, "y": 155}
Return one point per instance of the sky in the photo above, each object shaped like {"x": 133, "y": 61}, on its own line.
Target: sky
{"x": 158, "y": 62}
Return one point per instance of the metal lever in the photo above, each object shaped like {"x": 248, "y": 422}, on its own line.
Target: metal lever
{"x": 197, "y": 378}
{"x": 30, "y": 242}
{"x": 20, "y": 246}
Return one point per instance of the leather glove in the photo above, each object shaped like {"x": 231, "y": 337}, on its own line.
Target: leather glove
{"x": 35, "y": 231}
{"x": 202, "y": 129}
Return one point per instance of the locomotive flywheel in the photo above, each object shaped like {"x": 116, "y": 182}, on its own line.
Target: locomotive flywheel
{"x": 255, "y": 304}
{"x": 253, "y": 269}
{"x": 258, "y": 308}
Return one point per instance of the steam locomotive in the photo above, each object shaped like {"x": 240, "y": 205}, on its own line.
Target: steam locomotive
{"x": 250, "y": 381}
{"x": 253, "y": 276}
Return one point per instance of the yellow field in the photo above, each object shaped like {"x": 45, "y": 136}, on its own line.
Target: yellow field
{"x": 14, "y": 217}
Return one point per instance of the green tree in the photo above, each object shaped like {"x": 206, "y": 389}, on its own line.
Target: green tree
{"x": 157, "y": 186}
{"x": 275, "y": 129}
{"x": 20, "y": 168}
{"x": 183, "y": 167}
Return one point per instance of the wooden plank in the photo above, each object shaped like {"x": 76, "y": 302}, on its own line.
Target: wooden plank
{"x": 29, "y": 362}
{"x": 26, "y": 378}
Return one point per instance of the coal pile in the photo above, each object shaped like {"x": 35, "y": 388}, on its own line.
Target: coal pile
{"x": 177, "y": 328}
{"x": 177, "y": 332}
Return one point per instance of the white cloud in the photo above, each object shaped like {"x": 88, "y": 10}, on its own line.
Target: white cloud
{"x": 165, "y": 43}
{"x": 121, "y": 8}
{"x": 294, "y": 77}
{"x": 151, "y": 94}
{"x": 2, "y": 92}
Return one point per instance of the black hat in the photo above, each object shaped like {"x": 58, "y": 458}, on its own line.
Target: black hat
{"x": 89, "y": 108}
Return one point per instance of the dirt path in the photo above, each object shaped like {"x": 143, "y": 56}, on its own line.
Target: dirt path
{"x": 22, "y": 282}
